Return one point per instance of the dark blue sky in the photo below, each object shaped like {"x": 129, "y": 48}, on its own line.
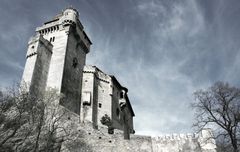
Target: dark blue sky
{"x": 162, "y": 50}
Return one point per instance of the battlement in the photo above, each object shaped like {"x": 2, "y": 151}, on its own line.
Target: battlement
{"x": 99, "y": 140}
{"x": 67, "y": 21}
{"x": 200, "y": 142}
{"x": 188, "y": 136}
{"x": 204, "y": 134}
{"x": 70, "y": 17}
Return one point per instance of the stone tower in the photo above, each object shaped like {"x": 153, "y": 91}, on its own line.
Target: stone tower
{"x": 58, "y": 60}
{"x": 38, "y": 56}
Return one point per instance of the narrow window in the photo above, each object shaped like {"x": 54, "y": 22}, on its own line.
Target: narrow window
{"x": 121, "y": 95}
{"x": 50, "y": 39}
{"x": 117, "y": 112}
{"x": 100, "y": 105}
{"x": 53, "y": 39}
{"x": 75, "y": 62}
{"x": 86, "y": 96}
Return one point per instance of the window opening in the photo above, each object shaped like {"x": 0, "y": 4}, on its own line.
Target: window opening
{"x": 86, "y": 98}
{"x": 117, "y": 112}
{"x": 75, "y": 62}
{"x": 121, "y": 95}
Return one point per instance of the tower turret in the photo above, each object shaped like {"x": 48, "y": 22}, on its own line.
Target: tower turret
{"x": 70, "y": 17}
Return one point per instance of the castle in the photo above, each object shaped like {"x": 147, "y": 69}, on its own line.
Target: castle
{"x": 56, "y": 58}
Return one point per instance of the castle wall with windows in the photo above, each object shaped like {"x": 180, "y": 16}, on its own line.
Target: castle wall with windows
{"x": 103, "y": 95}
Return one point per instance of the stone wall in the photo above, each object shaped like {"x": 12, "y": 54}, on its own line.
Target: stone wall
{"x": 116, "y": 116}
{"x": 37, "y": 65}
{"x": 98, "y": 140}
{"x": 100, "y": 96}
{"x": 184, "y": 142}
{"x": 104, "y": 97}
{"x": 58, "y": 57}
{"x": 72, "y": 74}
{"x": 88, "y": 97}
{"x": 175, "y": 143}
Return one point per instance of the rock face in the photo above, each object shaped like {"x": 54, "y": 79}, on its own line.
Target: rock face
{"x": 56, "y": 59}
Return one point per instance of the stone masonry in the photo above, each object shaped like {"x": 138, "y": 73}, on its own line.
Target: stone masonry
{"x": 102, "y": 94}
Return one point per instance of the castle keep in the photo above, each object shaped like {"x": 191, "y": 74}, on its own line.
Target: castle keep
{"x": 56, "y": 58}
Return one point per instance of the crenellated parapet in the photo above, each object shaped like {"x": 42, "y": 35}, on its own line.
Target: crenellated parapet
{"x": 68, "y": 22}
{"x": 70, "y": 17}
{"x": 49, "y": 29}
{"x": 169, "y": 137}
{"x": 201, "y": 142}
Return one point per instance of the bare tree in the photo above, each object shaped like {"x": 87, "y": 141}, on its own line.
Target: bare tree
{"x": 218, "y": 107}
{"x": 33, "y": 124}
